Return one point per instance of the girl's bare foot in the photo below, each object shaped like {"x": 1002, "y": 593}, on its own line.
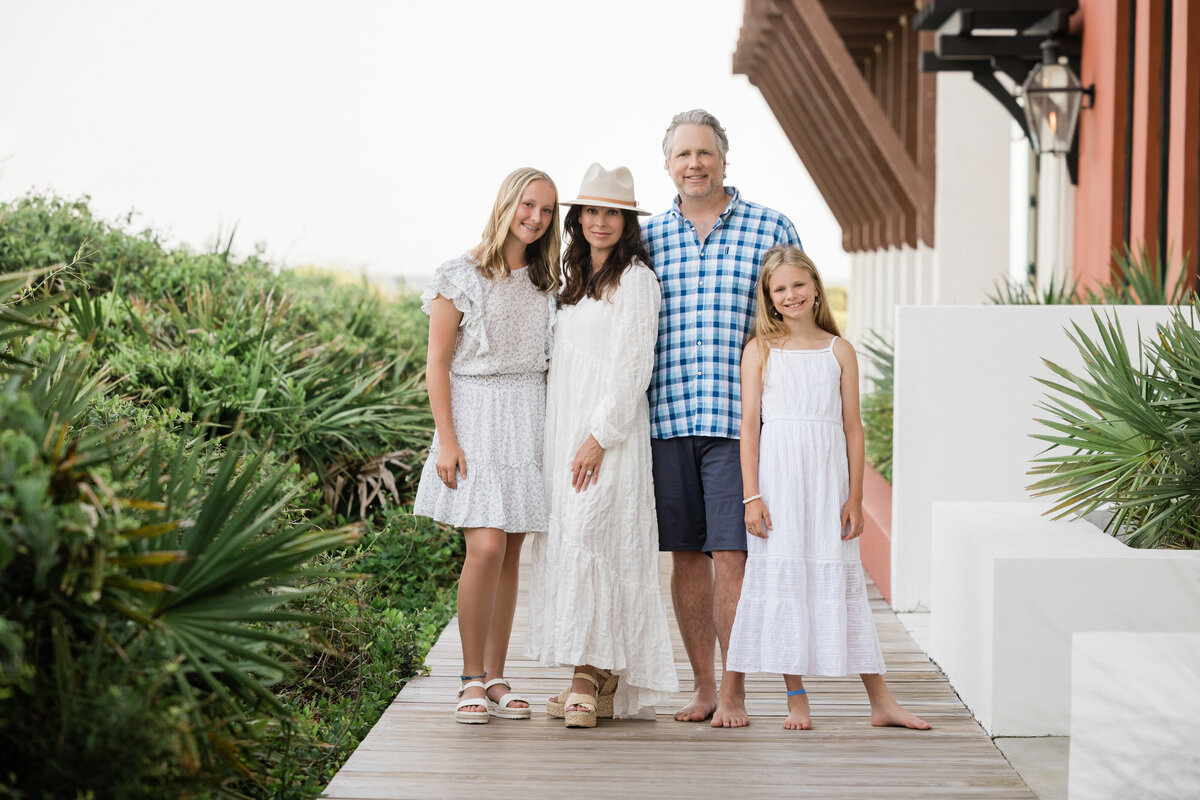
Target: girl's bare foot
{"x": 896, "y": 716}
{"x": 799, "y": 717}
{"x": 885, "y": 711}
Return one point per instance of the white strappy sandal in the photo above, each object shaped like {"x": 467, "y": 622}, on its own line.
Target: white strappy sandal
{"x": 499, "y": 708}
{"x": 472, "y": 717}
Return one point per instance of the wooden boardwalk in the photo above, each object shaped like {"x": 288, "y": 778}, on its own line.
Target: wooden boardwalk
{"x": 417, "y": 750}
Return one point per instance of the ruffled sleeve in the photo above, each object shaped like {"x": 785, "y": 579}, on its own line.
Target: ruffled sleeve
{"x": 637, "y": 301}
{"x": 459, "y": 281}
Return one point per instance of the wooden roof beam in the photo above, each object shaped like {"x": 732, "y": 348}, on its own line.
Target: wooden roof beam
{"x": 888, "y": 169}
{"x": 802, "y": 118}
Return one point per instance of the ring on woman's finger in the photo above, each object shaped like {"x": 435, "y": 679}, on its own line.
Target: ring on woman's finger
{"x": 589, "y": 472}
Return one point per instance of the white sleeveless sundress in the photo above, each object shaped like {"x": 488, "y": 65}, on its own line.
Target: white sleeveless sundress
{"x": 804, "y": 607}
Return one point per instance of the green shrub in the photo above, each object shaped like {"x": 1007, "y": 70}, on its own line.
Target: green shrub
{"x": 1138, "y": 278}
{"x": 38, "y": 232}
{"x": 877, "y": 407}
{"x": 161, "y": 570}
{"x": 154, "y": 398}
{"x": 1132, "y": 432}
{"x": 304, "y": 364}
{"x": 234, "y": 361}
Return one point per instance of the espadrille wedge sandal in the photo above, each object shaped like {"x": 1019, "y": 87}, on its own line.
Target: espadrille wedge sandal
{"x": 587, "y": 717}
{"x": 499, "y": 708}
{"x": 556, "y": 706}
{"x": 472, "y": 717}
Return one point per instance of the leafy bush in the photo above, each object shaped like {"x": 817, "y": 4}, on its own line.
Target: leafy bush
{"x": 386, "y": 625}
{"x": 234, "y": 361}
{"x": 1133, "y": 432}
{"x": 328, "y": 371}
{"x": 1137, "y": 279}
{"x": 165, "y": 424}
{"x": 38, "y": 232}
{"x": 156, "y": 572}
{"x": 877, "y": 406}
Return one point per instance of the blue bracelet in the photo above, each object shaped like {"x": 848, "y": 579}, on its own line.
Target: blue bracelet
{"x": 798, "y": 691}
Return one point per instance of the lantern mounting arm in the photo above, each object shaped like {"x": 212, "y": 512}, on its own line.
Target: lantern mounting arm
{"x": 1012, "y": 37}
{"x": 985, "y": 76}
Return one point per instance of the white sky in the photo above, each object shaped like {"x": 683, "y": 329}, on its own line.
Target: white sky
{"x": 366, "y": 134}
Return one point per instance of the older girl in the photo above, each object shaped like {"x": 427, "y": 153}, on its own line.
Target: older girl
{"x": 490, "y": 315}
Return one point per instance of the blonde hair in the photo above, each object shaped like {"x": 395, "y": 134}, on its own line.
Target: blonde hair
{"x": 541, "y": 256}
{"x": 768, "y": 324}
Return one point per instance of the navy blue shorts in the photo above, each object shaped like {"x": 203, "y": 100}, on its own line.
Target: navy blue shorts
{"x": 698, "y": 492}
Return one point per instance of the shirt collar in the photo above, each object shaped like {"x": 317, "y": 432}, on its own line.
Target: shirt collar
{"x": 730, "y": 191}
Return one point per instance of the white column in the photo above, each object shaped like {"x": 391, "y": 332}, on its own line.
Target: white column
{"x": 854, "y": 300}
{"x": 1056, "y": 220}
{"x": 926, "y": 261}
{"x": 971, "y": 215}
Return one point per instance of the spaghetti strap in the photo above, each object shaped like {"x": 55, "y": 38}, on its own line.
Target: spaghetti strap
{"x": 832, "y": 341}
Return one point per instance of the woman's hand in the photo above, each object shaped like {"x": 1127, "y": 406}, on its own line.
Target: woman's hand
{"x": 585, "y": 469}
{"x": 758, "y": 519}
{"x": 852, "y": 520}
{"x": 450, "y": 464}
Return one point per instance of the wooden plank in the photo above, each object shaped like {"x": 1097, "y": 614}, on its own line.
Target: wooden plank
{"x": 417, "y": 750}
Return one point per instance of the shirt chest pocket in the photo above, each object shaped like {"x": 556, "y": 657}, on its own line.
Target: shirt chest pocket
{"x": 737, "y": 270}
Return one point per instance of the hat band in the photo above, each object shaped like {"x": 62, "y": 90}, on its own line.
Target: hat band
{"x": 631, "y": 204}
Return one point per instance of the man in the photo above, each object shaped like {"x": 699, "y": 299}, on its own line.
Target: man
{"x": 707, "y": 250}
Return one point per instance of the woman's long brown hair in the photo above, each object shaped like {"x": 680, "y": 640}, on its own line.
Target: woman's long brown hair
{"x": 584, "y": 279}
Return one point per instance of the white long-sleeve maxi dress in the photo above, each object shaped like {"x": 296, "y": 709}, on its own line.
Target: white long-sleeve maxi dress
{"x": 594, "y": 595}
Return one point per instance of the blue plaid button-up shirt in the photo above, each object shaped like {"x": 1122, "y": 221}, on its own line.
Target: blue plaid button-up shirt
{"x": 707, "y": 313}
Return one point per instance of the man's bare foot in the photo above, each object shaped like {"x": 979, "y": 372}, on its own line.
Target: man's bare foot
{"x": 799, "y": 717}
{"x": 701, "y": 708}
{"x": 730, "y": 713}
{"x": 896, "y": 716}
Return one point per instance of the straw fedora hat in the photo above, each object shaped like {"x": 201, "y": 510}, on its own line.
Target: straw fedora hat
{"x": 607, "y": 188}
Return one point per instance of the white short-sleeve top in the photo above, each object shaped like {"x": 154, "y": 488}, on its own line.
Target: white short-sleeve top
{"x": 506, "y": 324}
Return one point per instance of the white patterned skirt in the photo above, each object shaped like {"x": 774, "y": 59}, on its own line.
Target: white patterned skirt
{"x": 499, "y": 421}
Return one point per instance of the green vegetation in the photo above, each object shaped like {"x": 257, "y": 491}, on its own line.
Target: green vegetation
{"x": 1132, "y": 431}
{"x": 208, "y": 584}
{"x": 877, "y": 405}
{"x": 1137, "y": 280}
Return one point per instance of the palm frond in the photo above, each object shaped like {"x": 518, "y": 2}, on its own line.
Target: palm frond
{"x": 1132, "y": 429}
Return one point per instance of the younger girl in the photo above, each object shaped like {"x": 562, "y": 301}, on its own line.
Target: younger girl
{"x": 804, "y": 607}
{"x": 490, "y": 313}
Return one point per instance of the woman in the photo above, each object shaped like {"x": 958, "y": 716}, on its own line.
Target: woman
{"x": 490, "y": 316}
{"x": 595, "y": 603}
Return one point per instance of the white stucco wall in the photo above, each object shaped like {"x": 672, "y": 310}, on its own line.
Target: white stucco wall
{"x": 1012, "y": 586}
{"x": 1135, "y": 716}
{"x": 965, "y": 399}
